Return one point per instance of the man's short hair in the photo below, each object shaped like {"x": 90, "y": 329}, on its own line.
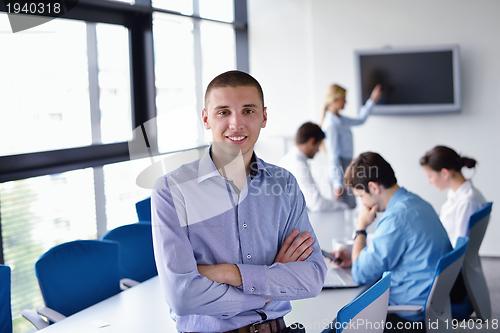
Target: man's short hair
{"x": 369, "y": 167}
{"x": 309, "y": 130}
{"x": 233, "y": 79}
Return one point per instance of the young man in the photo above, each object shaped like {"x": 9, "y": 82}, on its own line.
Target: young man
{"x": 307, "y": 141}
{"x": 226, "y": 227}
{"x": 408, "y": 241}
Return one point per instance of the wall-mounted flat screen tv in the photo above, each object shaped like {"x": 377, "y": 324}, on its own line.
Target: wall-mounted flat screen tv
{"x": 417, "y": 80}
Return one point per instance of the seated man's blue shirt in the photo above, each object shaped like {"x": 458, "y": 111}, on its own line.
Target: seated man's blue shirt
{"x": 409, "y": 240}
{"x": 200, "y": 218}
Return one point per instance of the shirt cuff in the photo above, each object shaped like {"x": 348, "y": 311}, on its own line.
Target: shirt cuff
{"x": 254, "y": 279}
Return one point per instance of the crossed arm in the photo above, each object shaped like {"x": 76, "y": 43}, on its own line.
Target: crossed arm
{"x": 293, "y": 249}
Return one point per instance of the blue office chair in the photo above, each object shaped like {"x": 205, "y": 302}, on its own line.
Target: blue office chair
{"x": 472, "y": 271}
{"x": 137, "y": 261}
{"x": 75, "y": 275}
{"x": 370, "y": 307}
{"x": 143, "y": 209}
{"x": 5, "y": 305}
{"x": 437, "y": 308}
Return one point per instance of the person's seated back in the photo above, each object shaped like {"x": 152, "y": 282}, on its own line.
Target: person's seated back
{"x": 408, "y": 240}
{"x": 307, "y": 142}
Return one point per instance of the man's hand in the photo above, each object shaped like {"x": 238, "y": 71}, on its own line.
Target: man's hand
{"x": 222, "y": 273}
{"x": 295, "y": 250}
{"x": 344, "y": 254}
{"x": 366, "y": 217}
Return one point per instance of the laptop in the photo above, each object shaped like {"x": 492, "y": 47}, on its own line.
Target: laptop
{"x": 337, "y": 277}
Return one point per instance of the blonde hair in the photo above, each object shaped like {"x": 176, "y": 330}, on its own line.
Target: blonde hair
{"x": 333, "y": 93}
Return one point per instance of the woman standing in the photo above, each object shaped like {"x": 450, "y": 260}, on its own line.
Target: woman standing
{"x": 443, "y": 166}
{"x": 339, "y": 141}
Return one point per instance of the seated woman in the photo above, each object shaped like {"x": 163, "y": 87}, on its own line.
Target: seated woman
{"x": 443, "y": 166}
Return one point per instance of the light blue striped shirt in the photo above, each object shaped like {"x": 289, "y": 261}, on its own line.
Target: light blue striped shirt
{"x": 409, "y": 241}
{"x": 338, "y": 140}
{"x": 199, "y": 219}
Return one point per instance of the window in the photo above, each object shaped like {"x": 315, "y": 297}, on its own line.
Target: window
{"x": 68, "y": 112}
{"x": 217, "y": 49}
{"x": 57, "y": 83}
{"x": 220, "y": 10}
{"x": 38, "y": 213}
{"x": 114, "y": 83}
{"x": 180, "y": 6}
{"x": 45, "y": 97}
{"x": 176, "y": 98}
{"x": 122, "y": 192}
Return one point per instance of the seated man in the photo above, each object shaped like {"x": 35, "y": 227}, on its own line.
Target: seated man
{"x": 408, "y": 240}
{"x": 226, "y": 227}
{"x": 307, "y": 141}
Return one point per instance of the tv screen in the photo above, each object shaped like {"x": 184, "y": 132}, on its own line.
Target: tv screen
{"x": 414, "y": 81}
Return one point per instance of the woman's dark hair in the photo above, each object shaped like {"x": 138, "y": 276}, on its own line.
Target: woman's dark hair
{"x": 369, "y": 167}
{"x": 309, "y": 130}
{"x": 441, "y": 157}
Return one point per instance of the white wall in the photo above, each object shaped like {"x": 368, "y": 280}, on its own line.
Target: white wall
{"x": 299, "y": 47}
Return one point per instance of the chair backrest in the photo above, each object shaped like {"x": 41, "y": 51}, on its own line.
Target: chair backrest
{"x": 137, "y": 261}
{"x": 478, "y": 223}
{"x": 472, "y": 270}
{"x": 438, "y": 307}
{"x": 143, "y": 209}
{"x": 370, "y": 308}
{"x": 75, "y": 275}
{"x": 5, "y": 305}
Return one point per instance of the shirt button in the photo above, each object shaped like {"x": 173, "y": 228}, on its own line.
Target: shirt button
{"x": 253, "y": 289}
{"x": 244, "y": 225}
{"x": 249, "y": 256}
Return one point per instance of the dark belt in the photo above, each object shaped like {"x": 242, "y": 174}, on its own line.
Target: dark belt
{"x": 269, "y": 326}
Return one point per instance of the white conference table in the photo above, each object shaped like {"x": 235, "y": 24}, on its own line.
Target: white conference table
{"x": 139, "y": 309}
{"x": 143, "y": 309}
{"x": 332, "y": 225}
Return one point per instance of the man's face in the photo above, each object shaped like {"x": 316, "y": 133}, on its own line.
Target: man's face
{"x": 235, "y": 116}
{"x": 313, "y": 148}
{"x": 368, "y": 199}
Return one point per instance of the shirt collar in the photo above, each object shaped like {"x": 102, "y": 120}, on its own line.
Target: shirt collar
{"x": 300, "y": 154}
{"x": 334, "y": 118}
{"x": 395, "y": 197}
{"x": 460, "y": 191}
{"x": 207, "y": 168}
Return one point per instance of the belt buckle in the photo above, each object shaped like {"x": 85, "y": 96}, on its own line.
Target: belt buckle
{"x": 253, "y": 328}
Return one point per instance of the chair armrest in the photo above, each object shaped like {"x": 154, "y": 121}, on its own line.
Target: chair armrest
{"x": 404, "y": 308}
{"x": 34, "y": 318}
{"x": 127, "y": 283}
{"x": 50, "y": 314}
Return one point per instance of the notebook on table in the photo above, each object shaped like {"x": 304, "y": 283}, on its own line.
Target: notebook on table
{"x": 337, "y": 277}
